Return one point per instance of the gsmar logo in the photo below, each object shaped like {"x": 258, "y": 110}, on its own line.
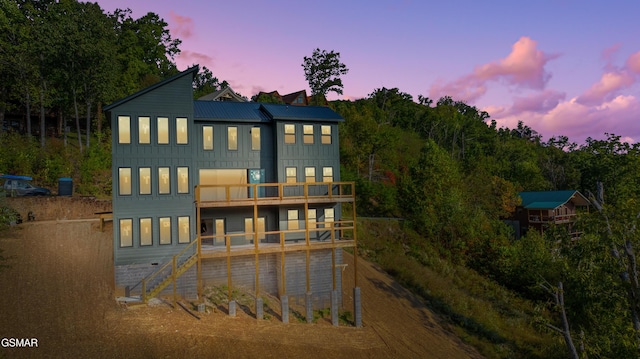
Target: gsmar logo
{"x": 19, "y": 342}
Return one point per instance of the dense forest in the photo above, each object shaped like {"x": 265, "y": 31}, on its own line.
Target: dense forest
{"x": 441, "y": 171}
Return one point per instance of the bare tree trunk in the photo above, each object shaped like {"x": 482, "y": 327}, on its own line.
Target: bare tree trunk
{"x": 43, "y": 88}
{"x": 558, "y": 297}
{"x": 88, "y": 123}
{"x": 75, "y": 107}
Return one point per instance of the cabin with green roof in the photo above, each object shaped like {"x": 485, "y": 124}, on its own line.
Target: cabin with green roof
{"x": 538, "y": 210}
{"x": 235, "y": 194}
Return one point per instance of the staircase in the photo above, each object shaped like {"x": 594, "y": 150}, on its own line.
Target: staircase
{"x": 150, "y": 291}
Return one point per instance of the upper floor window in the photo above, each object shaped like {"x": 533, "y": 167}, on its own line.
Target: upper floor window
{"x": 291, "y": 175}
{"x": 307, "y": 130}
{"x": 207, "y": 137}
{"x": 292, "y": 219}
{"x": 309, "y": 174}
{"x": 144, "y": 130}
{"x": 329, "y": 215}
{"x": 327, "y": 174}
{"x": 144, "y": 178}
{"x": 255, "y": 138}
{"x": 164, "y": 180}
{"x": 232, "y": 138}
{"x": 289, "y": 133}
{"x": 183, "y": 179}
{"x": 326, "y": 134}
{"x": 182, "y": 134}
{"x": 124, "y": 129}
{"x": 124, "y": 181}
{"x": 163, "y": 130}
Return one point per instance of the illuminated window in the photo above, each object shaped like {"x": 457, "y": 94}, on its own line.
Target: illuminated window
{"x": 182, "y": 134}
{"x": 144, "y": 130}
{"x": 291, "y": 175}
{"x": 165, "y": 230}
{"x": 207, "y": 137}
{"x": 255, "y": 138}
{"x": 289, "y": 133}
{"x": 164, "y": 180}
{"x": 327, "y": 174}
{"x": 307, "y": 130}
{"x": 145, "y": 232}
{"x": 326, "y": 134}
{"x": 248, "y": 228}
{"x": 145, "y": 180}
{"x": 292, "y": 219}
{"x": 184, "y": 234}
{"x": 124, "y": 181}
{"x": 163, "y": 131}
{"x": 309, "y": 174}
{"x": 232, "y": 138}
{"x": 124, "y": 129}
{"x": 126, "y": 232}
{"x": 328, "y": 215}
{"x": 260, "y": 228}
{"x": 183, "y": 179}
{"x": 311, "y": 216}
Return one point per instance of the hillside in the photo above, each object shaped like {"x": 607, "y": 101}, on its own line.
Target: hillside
{"x": 59, "y": 290}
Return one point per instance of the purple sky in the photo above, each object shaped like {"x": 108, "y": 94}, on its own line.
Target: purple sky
{"x": 563, "y": 67}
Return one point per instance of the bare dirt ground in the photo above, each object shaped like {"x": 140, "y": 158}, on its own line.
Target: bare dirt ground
{"x": 59, "y": 289}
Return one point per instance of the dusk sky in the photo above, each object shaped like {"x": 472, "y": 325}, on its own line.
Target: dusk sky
{"x": 562, "y": 67}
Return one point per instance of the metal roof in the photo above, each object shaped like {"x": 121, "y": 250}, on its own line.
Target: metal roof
{"x": 551, "y": 199}
{"x": 301, "y": 113}
{"x": 228, "y": 111}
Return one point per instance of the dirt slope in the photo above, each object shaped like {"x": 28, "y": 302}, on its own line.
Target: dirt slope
{"x": 59, "y": 290}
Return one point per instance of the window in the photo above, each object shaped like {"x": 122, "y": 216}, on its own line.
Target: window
{"x": 255, "y": 138}
{"x": 164, "y": 180}
{"x": 220, "y": 239}
{"x": 289, "y": 133}
{"x": 126, "y": 235}
{"x": 207, "y": 137}
{"x": 144, "y": 130}
{"x": 291, "y": 175}
{"x": 260, "y": 228}
{"x": 248, "y": 229}
{"x": 124, "y": 181}
{"x": 165, "y": 230}
{"x": 309, "y": 174}
{"x": 328, "y": 215}
{"x": 144, "y": 179}
{"x": 183, "y": 179}
{"x": 163, "y": 131}
{"x": 124, "y": 129}
{"x": 184, "y": 234}
{"x": 311, "y": 217}
{"x": 307, "y": 130}
{"x": 182, "y": 134}
{"x": 145, "y": 232}
{"x": 326, "y": 134}
{"x": 327, "y": 174}
{"x": 292, "y": 219}
{"x": 232, "y": 138}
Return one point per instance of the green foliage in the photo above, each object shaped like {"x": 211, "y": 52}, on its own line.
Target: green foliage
{"x": 322, "y": 71}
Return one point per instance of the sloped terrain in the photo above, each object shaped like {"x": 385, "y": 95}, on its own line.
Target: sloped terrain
{"x": 59, "y": 290}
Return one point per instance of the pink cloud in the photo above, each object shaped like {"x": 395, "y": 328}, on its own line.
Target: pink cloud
{"x": 188, "y": 58}
{"x": 538, "y": 102}
{"x": 633, "y": 62}
{"x": 609, "y": 84}
{"x": 580, "y": 121}
{"x": 523, "y": 67}
{"x": 180, "y": 25}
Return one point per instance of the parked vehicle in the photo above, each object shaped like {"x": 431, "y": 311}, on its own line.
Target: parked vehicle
{"x": 17, "y": 187}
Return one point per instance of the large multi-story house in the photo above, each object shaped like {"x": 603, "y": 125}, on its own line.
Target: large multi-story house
{"x": 229, "y": 194}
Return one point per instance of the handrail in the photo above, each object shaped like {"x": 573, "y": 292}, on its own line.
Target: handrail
{"x": 257, "y": 191}
{"x": 148, "y": 278}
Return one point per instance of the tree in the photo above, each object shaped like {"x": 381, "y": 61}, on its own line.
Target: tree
{"x": 205, "y": 83}
{"x": 323, "y": 70}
